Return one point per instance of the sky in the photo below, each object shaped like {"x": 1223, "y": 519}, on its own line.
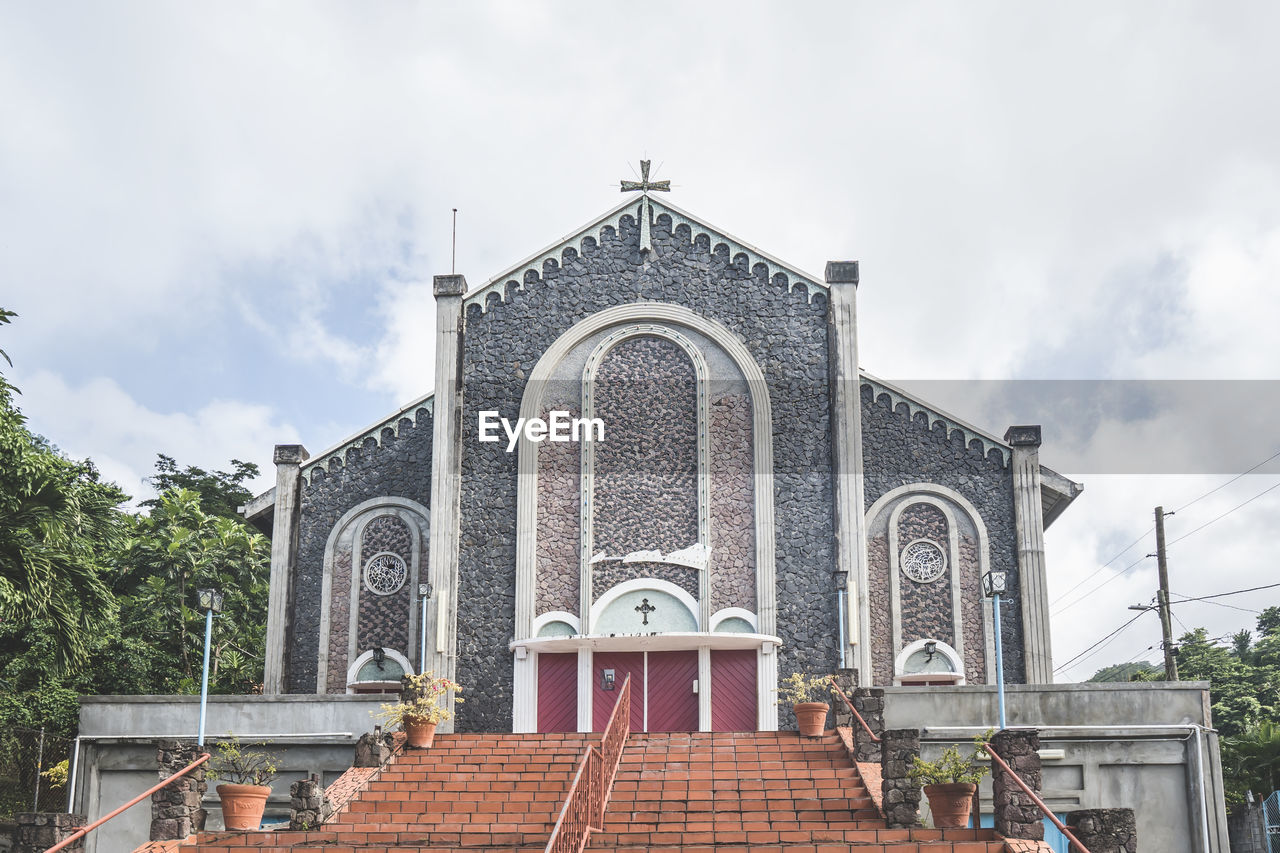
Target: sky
{"x": 219, "y": 223}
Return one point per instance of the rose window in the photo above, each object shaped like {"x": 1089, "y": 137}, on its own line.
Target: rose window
{"x": 923, "y": 561}
{"x": 385, "y": 573}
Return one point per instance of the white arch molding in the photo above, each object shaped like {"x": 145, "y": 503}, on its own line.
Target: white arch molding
{"x": 734, "y": 613}
{"x": 586, "y": 528}
{"x": 930, "y": 493}
{"x": 354, "y": 669}
{"x": 615, "y": 592}
{"x": 956, "y": 659}
{"x": 557, "y": 616}
{"x": 411, "y": 513}
{"x": 524, "y": 672}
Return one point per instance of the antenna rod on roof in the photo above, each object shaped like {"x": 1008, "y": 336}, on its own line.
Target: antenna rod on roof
{"x": 453, "y": 255}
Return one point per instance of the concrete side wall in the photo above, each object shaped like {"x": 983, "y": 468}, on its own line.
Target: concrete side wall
{"x": 1114, "y": 705}
{"x": 118, "y": 754}
{"x": 1144, "y": 755}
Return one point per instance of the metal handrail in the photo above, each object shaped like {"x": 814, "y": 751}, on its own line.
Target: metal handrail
{"x": 1035, "y": 798}
{"x": 82, "y": 832}
{"x": 612, "y": 741}
{"x": 588, "y": 796}
{"x": 874, "y": 738}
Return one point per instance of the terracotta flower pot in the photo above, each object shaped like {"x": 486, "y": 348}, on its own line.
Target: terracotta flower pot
{"x": 812, "y": 717}
{"x": 242, "y": 805}
{"x": 950, "y": 804}
{"x": 419, "y": 733}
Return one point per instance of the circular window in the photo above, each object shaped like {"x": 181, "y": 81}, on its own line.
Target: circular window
{"x": 385, "y": 573}
{"x": 923, "y": 561}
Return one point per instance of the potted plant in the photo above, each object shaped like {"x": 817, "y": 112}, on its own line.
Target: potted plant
{"x": 950, "y": 783}
{"x": 421, "y": 707}
{"x": 804, "y": 692}
{"x": 247, "y": 774}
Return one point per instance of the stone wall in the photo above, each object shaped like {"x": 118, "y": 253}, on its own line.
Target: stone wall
{"x": 785, "y": 332}
{"x": 901, "y": 795}
{"x": 1016, "y": 814}
{"x": 1107, "y": 830}
{"x": 176, "y": 810}
{"x": 38, "y": 831}
{"x": 1248, "y": 829}
{"x": 399, "y": 467}
{"x": 899, "y": 449}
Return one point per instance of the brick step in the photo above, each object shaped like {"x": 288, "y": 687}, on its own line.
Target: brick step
{"x": 862, "y": 838}
{"x": 731, "y": 806}
{"x": 332, "y": 841}
{"x": 895, "y": 847}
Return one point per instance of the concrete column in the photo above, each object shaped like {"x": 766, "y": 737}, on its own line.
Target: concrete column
{"x": 1016, "y": 816}
{"x": 36, "y": 832}
{"x": 1028, "y": 515}
{"x": 308, "y": 807}
{"x": 176, "y": 809}
{"x": 446, "y": 477}
{"x": 901, "y": 795}
{"x": 284, "y": 558}
{"x": 846, "y": 461}
{"x": 1105, "y": 830}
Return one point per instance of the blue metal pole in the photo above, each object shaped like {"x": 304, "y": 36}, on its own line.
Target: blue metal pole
{"x": 995, "y": 607}
{"x": 204, "y": 683}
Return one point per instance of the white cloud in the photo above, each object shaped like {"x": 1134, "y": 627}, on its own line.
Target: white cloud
{"x": 98, "y": 419}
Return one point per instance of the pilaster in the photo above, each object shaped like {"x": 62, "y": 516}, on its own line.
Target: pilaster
{"x": 176, "y": 809}
{"x": 1016, "y": 815}
{"x": 901, "y": 795}
{"x": 284, "y": 558}
{"x": 846, "y": 452}
{"x": 446, "y": 477}
{"x": 1029, "y": 520}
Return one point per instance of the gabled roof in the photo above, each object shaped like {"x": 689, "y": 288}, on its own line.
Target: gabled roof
{"x": 611, "y": 219}
{"x": 1056, "y": 491}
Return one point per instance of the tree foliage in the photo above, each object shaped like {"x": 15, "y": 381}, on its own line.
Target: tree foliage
{"x": 58, "y": 524}
{"x": 1133, "y": 671}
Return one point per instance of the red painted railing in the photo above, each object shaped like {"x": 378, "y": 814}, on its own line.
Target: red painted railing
{"x": 588, "y": 796}
{"x": 82, "y": 832}
{"x": 1040, "y": 804}
{"x": 873, "y": 736}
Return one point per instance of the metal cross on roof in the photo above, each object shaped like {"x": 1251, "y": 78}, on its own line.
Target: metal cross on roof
{"x": 645, "y": 186}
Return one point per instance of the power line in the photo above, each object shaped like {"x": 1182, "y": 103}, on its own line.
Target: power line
{"x": 1129, "y": 547}
{"x": 1086, "y": 596}
{"x": 1229, "y": 482}
{"x": 1225, "y": 514}
{"x": 1103, "y": 566}
{"x": 1098, "y": 645}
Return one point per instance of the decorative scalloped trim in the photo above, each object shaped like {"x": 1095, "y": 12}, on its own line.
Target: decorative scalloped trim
{"x": 339, "y": 451}
{"x": 953, "y": 426}
{"x": 519, "y": 274}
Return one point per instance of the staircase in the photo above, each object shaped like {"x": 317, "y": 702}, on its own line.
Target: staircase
{"x": 674, "y": 793}
{"x": 755, "y": 791}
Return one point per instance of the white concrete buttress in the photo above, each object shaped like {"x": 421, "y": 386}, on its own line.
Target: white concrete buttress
{"x": 284, "y": 557}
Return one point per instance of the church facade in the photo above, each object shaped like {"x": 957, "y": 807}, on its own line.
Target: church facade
{"x": 650, "y": 453}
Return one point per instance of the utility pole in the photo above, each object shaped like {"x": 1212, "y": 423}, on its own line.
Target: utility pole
{"x": 1162, "y": 600}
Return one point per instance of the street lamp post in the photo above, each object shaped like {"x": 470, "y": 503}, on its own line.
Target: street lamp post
{"x": 994, "y": 583}
{"x": 210, "y": 601}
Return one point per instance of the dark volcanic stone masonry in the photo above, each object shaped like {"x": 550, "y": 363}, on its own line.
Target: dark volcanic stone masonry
{"x": 400, "y": 467}
{"x": 786, "y": 334}
{"x": 926, "y": 607}
{"x": 898, "y": 449}
{"x": 646, "y": 471}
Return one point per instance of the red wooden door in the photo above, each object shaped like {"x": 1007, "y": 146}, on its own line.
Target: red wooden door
{"x": 622, "y": 664}
{"x": 673, "y": 706}
{"x": 558, "y": 692}
{"x": 733, "y": 690}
